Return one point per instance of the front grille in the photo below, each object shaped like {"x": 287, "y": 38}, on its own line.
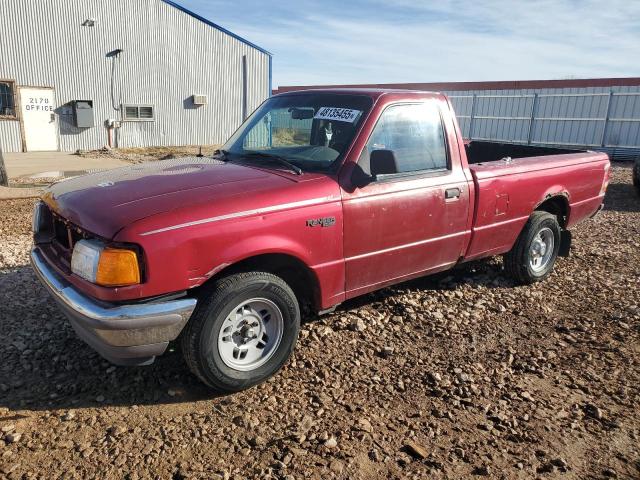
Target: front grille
{"x": 65, "y": 234}
{"x": 61, "y": 233}
{"x": 58, "y": 236}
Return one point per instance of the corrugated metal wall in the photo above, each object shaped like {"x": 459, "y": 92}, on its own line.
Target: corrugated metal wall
{"x": 599, "y": 118}
{"x": 10, "y": 136}
{"x": 168, "y": 56}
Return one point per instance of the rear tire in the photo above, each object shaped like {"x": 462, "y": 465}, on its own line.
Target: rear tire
{"x": 535, "y": 252}
{"x": 243, "y": 331}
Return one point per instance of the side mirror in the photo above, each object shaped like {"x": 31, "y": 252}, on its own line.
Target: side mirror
{"x": 383, "y": 162}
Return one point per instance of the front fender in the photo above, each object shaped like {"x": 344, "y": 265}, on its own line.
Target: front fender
{"x": 186, "y": 257}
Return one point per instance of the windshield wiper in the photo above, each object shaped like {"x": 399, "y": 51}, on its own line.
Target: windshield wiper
{"x": 276, "y": 158}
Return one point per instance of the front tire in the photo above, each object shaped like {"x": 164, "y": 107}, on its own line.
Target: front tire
{"x": 242, "y": 332}
{"x": 534, "y": 254}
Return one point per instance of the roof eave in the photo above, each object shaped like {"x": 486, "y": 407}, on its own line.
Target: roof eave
{"x": 217, "y": 27}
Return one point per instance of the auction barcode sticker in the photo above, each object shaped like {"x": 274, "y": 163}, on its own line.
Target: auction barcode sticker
{"x": 339, "y": 114}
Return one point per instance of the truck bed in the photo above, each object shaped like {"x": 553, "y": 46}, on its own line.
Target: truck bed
{"x": 483, "y": 151}
{"x": 506, "y": 192}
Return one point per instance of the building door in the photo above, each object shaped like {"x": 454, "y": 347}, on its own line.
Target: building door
{"x": 37, "y": 107}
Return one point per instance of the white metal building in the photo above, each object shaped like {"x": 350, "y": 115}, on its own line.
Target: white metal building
{"x": 83, "y": 74}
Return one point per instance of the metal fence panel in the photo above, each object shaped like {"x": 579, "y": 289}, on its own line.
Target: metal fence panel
{"x": 604, "y": 120}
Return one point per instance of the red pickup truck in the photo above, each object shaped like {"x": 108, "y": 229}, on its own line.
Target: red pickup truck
{"x": 320, "y": 196}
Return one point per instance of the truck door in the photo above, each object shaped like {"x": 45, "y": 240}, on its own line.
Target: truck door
{"x": 413, "y": 221}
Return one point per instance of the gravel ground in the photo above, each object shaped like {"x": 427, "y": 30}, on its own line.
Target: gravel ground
{"x": 453, "y": 376}
{"x": 146, "y": 154}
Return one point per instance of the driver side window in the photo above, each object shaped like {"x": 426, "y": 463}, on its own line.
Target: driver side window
{"x": 414, "y": 133}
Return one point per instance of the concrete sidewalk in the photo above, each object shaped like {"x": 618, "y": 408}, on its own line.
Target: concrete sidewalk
{"x": 39, "y": 163}
{"x": 11, "y": 193}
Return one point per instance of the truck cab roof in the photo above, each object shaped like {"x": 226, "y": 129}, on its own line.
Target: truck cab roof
{"x": 374, "y": 93}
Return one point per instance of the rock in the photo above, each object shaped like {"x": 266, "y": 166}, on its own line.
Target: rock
{"x": 527, "y": 396}
{"x": 8, "y": 428}
{"x": 257, "y": 441}
{"x": 100, "y": 398}
{"x": 365, "y": 425}
{"x": 481, "y": 470}
{"x": 546, "y": 468}
{"x": 68, "y": 416}
{"x": 9, "y": 468}
{"x": 13, "y": 437}
{"x": 375, "y": 456}
{"x": 416, "y": 450}
{"x": 593, "y": 411}
{"x": 336, "y": 466}
{"x": 117, "y": 430}
{"x": 561, "y": 463}
{"x": 331, "y": 442}
{"x": 357, "y": 325}
{"x": 305, "y": 425}
{"x": 404, "y": 459}
{"x": 386, "y": 352}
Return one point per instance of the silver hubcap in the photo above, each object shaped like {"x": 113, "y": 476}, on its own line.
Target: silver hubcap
{"x": 541, "y": 250}
{"x": 250, "y": 334}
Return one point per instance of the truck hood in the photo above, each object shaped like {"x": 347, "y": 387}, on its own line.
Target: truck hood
{"x": 104, "y": 202}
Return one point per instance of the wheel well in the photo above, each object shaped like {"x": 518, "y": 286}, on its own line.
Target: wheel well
{"x": 557, "y": 205}
{"x": 296, "y": 273}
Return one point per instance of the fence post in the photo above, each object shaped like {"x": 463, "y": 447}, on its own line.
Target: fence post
{"x": 605, "y": 127}
{"x": 4, "y": 178}
{"x": 473, "y": 111}
{"x": 532, "y": 117}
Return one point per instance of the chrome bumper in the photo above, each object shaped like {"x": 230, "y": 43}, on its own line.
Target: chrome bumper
{"x": 123, "y": 334}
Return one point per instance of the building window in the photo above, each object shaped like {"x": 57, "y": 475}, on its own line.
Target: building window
{"x": 138, "y": 113}
{"x": 7, "y": 99}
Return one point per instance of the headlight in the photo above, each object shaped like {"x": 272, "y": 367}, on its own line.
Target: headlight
{"x": 106, "y": 266}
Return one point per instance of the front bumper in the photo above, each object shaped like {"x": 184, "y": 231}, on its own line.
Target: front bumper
{"x": 123, "y": 334}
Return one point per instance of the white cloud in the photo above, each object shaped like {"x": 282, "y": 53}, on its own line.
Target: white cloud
{"x": 408, "y": 41}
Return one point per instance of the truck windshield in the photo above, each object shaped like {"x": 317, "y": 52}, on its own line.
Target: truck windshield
{"x": 312, "y": 131}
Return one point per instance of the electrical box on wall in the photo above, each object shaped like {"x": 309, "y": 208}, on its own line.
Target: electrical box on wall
{"x": 83, "y": 113}
{"x": 200, "y": 99}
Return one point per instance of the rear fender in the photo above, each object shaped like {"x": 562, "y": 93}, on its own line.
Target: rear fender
{"x": 554, "y": 194}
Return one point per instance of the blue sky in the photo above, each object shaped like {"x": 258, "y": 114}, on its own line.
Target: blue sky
{"x": 375, "y": 41}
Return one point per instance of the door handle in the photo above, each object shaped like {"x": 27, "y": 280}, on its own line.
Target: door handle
{"x": 451, "y": 193}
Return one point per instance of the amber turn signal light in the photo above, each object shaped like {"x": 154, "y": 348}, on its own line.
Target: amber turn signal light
{"x": 117, "y": 268}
